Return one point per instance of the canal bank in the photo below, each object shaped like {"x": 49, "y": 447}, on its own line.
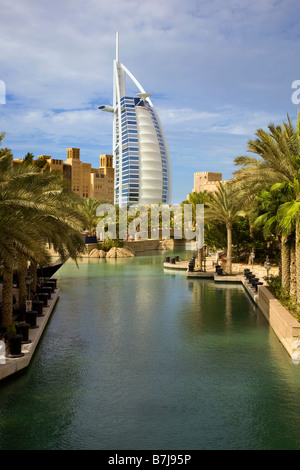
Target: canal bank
{"x": 12, "y": 365}
{"x": 285, "y": 326}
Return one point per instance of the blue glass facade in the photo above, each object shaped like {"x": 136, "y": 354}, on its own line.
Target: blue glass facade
{"x": 127, "y": 159}
{"x": 163, "y": 152}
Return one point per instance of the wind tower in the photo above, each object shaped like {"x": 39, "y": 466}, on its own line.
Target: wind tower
{"x": 140, "y": 150}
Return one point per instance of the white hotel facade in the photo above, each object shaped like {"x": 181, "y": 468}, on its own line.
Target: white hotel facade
{"x": 140, "y": 150}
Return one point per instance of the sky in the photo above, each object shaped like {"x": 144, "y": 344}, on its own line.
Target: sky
{"x": 217, "y": 72}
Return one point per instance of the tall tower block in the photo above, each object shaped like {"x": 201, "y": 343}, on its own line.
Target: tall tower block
{"x": 140, "y": 150}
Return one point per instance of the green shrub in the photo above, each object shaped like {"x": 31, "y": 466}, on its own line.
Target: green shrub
{"x": 108, "y": 244}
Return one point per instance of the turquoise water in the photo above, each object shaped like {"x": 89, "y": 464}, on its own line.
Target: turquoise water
{"x": 138, "y": 358}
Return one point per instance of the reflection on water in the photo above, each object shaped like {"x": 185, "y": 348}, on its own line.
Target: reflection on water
{"x": 138, "y": 358}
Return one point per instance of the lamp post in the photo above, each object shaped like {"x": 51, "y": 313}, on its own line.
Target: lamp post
{"x": 252, "y": 256}
{"x": 267, "y": 266}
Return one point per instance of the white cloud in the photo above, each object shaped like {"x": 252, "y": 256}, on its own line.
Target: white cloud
{"x": 214, "y": 68}
{"x": 182, "y": 115}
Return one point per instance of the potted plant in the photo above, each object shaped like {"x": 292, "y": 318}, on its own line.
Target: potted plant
{"x": 14, "y": 342}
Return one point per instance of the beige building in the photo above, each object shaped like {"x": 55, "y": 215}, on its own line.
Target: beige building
{"x": 52, "y": 163}
{"x": 80, "y": 173}
{"x": 102, "y": 180}
{"x": 206, "y": 181}
{"x": 87, "y": 182}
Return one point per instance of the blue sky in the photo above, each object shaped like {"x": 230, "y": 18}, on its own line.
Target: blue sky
{"x": 217, "y": 71}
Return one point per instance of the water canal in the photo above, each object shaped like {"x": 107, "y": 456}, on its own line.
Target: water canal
{"x": 137, "y": 358}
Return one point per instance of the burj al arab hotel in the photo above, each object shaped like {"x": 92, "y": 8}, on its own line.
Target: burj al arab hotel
{"x": 140, "y": 150}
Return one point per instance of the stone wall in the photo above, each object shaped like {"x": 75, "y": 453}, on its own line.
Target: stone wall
{"x": 141, "y": 245}
{"x": 90, "y": 247}
{"x": 286, "y": 327}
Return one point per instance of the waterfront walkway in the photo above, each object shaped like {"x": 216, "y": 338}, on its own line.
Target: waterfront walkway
{"x": 180, "y": 265}
{"x": 13, "y": 365}
{"x": 210, "y": 273}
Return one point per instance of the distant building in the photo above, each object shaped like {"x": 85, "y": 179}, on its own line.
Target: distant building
{"x": 16, "y": 161}
{"x": 206, "y": 181}
{"x": 80, "y": 173}
{"x": 102, "y": 180}
{"x": 87, "y": 182}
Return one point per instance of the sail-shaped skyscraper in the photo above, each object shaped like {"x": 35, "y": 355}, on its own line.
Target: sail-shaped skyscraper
{"x": 141, "y": 156}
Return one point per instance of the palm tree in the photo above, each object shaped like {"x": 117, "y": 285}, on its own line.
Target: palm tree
{"x": 268, "y": 217}
{"x": 275, "y": 149}
{"x": 18, "y": 240}
{"x": 28, "y": 158}
{"x": 36, "y": 209}
{"x": 224, "y": 207}
{"x": 89, "y": 211}
{"x": 195, "y": 198}
{"x": 289, "y": 217}
{"x": 279, "y": 150}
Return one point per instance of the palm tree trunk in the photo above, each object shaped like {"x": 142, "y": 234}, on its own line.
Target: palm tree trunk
{"x": 33, "y": 269}
{"x": 285, "y": 262}
{"x": 293, "y": 270}
{"x": 251, "y": 233}
{"x": 22, "y": 273}
{"x": 229, "y": 248}
{"x": 297, "y": 249}
{"x": 7, "y": 297}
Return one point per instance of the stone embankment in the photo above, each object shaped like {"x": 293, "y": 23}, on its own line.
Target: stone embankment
{"x": 130, "y": 248}
{"x": 119, "y": 253}
{"x": 114, "y": 252}
{"x": 12, "y": 365}
{"x": 286, "y": 327}
{"x": 283, "y": 323}
{"x": 138, "y": 246}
